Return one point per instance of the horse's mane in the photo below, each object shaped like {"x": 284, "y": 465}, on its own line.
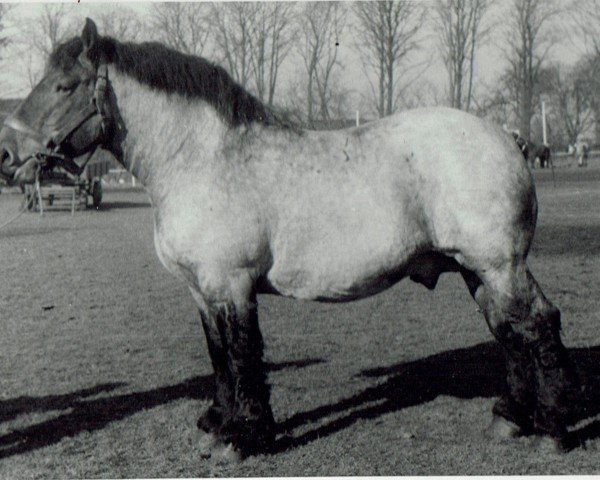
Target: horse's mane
{"x": 162, "y": 68}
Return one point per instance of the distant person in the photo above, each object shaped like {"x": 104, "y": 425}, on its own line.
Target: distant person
{"x": 521, "y": 143}
{"x": 582, "y": 153}
{"x": 571, "y": 153}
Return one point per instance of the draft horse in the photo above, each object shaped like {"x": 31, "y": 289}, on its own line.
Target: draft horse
{"x": 245, "y": 203}
{"x": 531, "y": 151}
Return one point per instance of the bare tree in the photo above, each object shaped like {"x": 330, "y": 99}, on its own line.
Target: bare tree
{"x": 233, "y": 25}
{"x": 5, "y": 10}
{"x": 570, "y": 95}
{"x": 51, "y": 27}
{"x": 496, "y": 106}
{"x": 271, "y": 39}
{"x": 459, "y": 33}
{"x": 320, "y": 27}
{"x": 587, "y": 73}
{"x": 183, "y": 26}
{"x": 5, "y": 41}
{"x": 122, "y": 24}
{"x": 387, "y": 33}
{"x": 529, "y": 41}
{"x": 42, "y": 34}
{"x": 423, "y": 93}
{"x": 586, "y": 14}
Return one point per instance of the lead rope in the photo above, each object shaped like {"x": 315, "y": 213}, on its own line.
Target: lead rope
{"x": 27, "y": 203}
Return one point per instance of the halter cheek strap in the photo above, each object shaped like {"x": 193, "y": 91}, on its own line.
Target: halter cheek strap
{"x": 59, "y": 137}
{"x": 100, "y": 94}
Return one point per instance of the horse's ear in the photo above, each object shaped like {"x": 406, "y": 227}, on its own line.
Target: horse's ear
{"x": 89, "y": 36}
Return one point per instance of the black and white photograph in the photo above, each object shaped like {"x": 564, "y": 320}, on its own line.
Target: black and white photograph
{"x": 299, "y": 238}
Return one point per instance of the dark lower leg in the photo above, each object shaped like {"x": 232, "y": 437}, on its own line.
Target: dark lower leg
{"x": 212, "y": 420}
{"x": 557, "y": 383}
{"x": 252, "y": 425}
{"x": 518, "y": 402}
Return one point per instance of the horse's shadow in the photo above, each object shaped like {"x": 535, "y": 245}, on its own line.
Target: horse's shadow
{"x": 85, "y": 414}
{"x": 476, "y": 371}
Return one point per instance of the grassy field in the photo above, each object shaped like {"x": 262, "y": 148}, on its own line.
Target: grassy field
{"x": 105, "y": 370}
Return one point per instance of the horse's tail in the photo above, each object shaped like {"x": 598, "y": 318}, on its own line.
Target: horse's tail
{"x": 526, "y": 219}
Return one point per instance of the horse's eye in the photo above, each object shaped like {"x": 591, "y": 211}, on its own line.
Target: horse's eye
{"x": 67, "y": 86}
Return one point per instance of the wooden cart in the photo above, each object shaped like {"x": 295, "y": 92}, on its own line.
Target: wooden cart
{"x": 57, "y": 188}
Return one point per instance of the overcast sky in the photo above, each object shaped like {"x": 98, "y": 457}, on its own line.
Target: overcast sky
{"x": 490, "y": 61}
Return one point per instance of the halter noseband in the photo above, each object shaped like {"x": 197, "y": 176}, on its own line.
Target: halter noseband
{"x": 53, "y": 145}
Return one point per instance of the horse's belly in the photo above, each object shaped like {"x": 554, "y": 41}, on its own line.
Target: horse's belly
{"x": 337, "y": 264}
{"x": 347, "y": 242}
{"x": 312, "y": 284}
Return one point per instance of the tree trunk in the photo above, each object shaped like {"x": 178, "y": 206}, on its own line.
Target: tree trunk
{"x": 526, "y": 110}
{"x": 381, "y": 105}
{"x": 389, "y": 109}
{"x": 309, "y": 99}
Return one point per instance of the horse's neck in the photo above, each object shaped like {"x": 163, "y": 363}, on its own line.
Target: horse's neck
{"x": 164, "y": 132}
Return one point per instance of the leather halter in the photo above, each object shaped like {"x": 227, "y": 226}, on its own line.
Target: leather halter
{"x": 53, "y": 144}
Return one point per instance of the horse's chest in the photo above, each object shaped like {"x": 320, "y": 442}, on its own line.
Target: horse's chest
{"x": 207, "y": 236}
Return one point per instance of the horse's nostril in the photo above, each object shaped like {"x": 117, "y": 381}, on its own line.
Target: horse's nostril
{"x": 7, "y": 159}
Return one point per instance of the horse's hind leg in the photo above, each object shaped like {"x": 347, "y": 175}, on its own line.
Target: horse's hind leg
{"x": 517, "y": 404}
{"x": 558, "y": 389}
{"x": 540, "y": 378}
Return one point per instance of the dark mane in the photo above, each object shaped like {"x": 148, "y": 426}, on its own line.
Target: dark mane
{"x": 162, "y": 68}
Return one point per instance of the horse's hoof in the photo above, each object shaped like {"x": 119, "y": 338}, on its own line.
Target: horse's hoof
{"x": 550, "y": 445}
{"x": 227, "y": 454}
{"x": 211, "y": 447}
{"x": 501, "y": 428}
{"x": 207, "y": 442}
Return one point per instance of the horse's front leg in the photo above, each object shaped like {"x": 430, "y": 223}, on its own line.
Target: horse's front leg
{"x": 223, "y": 399}
{"x": 240, "y": 414}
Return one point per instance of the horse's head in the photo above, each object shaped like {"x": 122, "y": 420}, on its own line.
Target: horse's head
{"x": 69, "y": 113}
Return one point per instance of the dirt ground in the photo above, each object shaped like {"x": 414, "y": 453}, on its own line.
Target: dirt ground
{"x": 104, "y": 368}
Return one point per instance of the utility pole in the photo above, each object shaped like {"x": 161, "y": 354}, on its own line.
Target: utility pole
{"x": 544, "y": 137}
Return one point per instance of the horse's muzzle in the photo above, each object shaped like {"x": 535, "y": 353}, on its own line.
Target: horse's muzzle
{"x": 13, "y": 170}
{"x": 27, "y": 172}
